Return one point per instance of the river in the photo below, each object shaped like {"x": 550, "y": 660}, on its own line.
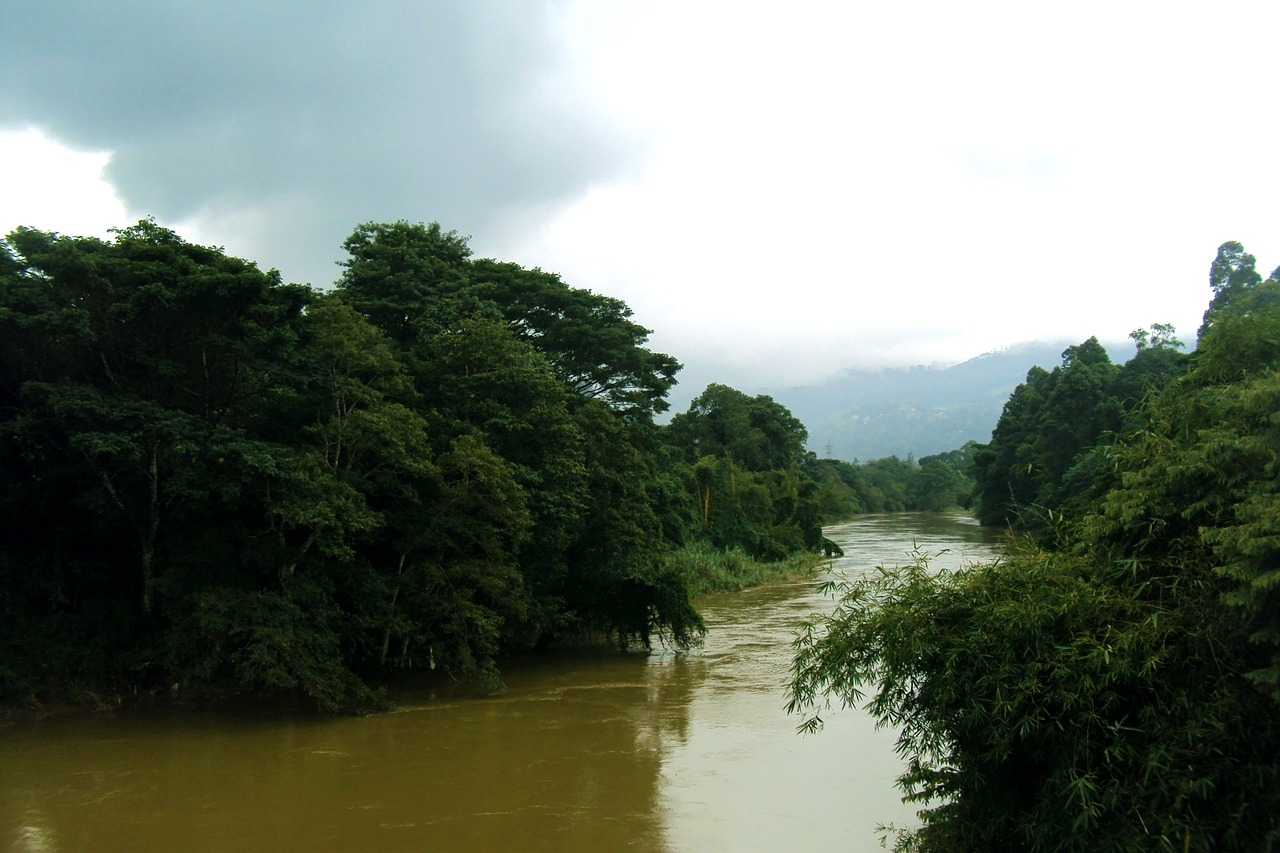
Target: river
{"x": 585, "y": 751}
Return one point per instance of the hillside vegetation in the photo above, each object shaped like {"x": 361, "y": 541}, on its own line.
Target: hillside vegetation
{"x": 916, "y": 411}
{"x": 216, "y": 482}
{"x": 1112, "y": 684}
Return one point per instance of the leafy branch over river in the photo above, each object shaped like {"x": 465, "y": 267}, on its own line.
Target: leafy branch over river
{"x": 1113, "y": 683}
{"x": 217, "y": 482}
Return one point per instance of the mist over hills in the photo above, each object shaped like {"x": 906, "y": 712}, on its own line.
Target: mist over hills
{"x": 863, "y": 415}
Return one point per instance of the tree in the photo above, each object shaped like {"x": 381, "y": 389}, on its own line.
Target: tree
{"x": 841, "y": 488}
{"x": 483, "y": 381}
{"x": 744, "y": 473}
{"x": 593, "y": 345}
{"x": 137, "y": 375}
{"x": 1007, "y": 479}
{"x": 887, "y": 481}
{"x": 1156, "y": 363}
{"x": 1232, "y": 273}
{"x": 415, "y": 280}
{"x": 1050, "y": 702}
{"x": 217, "y": 480}
{"x": 936, "y": 486}
{"x": 1119, "y": 690}
{"x": 398, "y": 272}
{"x": 140, "y": 359}
{"x": 1197, "y": 486}
{"x": 756, "y": 432}
{"x": 444, "y": 580}
{"x": 1022, "y": 474}
{"x": 616, "y": 578}
{"x": 517, "y": 360}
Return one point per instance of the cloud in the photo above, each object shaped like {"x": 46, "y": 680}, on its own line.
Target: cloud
{"x": 780, "y": 191}
{"x": 835, "y": 184}
{"x": 279, "y": 126}
{"x": 54, "y": 188}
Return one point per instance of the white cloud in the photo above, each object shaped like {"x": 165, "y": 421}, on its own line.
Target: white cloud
{"x": 55, "y": 188}
{"x": 794, "y": 189}
{"x": 852, "y": 183}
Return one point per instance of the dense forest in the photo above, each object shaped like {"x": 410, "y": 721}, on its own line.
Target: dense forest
{"x": 1112, "y": 683}
{"x": 216, "y": 482}
{"x": 919, "y": 410}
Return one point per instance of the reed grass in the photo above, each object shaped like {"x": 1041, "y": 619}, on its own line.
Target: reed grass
{"x": 708, "y": 569}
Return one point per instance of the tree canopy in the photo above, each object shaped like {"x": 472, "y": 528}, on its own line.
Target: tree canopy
{"x": 1044, "y": 451}
{"x": 219, "y": 481}
{"x": 411, "y": 280}
{"x": 1113, "y": 683}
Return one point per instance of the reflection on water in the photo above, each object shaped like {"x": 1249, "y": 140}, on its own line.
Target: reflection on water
{"x": 746, "y": 780}
{"x": 587, "y": 751}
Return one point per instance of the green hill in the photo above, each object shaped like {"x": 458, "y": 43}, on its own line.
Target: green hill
{"x": 917, "y": 410}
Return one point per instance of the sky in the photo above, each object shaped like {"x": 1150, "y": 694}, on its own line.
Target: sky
{"x": 779, "y": 191}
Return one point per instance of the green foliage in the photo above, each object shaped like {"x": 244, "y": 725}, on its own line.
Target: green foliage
{"x": 1199, "y": 484}
{"x": 707, "y": 569}
{"x": 1024, "y": 475}
{"x": 265, "y": 641}
{"x": 1233, "y": 273}
{"x": 216, "y": 480}
{"x": 937, "y": 486}
{"x": 557, "y": 381}
{"x": 398, "y": 273}
{"x": 887, "y": 480}
{"x": 942, "y": 481}
{"x": 590, "y": 340}
{"x": 733, "y": 477}
{"x": 757, "y": 433}
{"x": 1156, "y": 364}
{"x": 616, "y": 570}
{"x": 842, "y": 491}
{"x": 1048, "y": 702}
{"x": 131, "y": 368}
{"x": 1120, "y": 691}
{"x": 411, "y": 280}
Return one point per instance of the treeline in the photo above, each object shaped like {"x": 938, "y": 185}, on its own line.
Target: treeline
{"x": 1048, "y": 454}
{"x": 1112, "y": 683}
{"x": 215, "y": 481}
{"x": 938, "y": 482}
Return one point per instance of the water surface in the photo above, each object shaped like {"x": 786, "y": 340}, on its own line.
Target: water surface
{"x": 586, "y": 751}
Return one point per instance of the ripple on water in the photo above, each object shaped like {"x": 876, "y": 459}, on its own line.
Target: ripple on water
{"x": 583, "y": 752}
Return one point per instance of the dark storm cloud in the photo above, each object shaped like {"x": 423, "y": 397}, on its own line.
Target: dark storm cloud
{"x": 308, "y": 117}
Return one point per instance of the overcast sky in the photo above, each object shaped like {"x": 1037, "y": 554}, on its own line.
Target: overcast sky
{"x": 778, "y": 190}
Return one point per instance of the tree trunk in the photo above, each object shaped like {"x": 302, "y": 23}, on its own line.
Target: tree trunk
{"x": 151, "y": 532}
{"x": 391, "y": 611}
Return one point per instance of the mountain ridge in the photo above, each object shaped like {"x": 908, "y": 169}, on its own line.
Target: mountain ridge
{"x": 918, "y": 410}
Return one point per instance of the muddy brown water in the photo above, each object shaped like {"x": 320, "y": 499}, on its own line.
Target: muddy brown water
{"x": 587, "y": 751}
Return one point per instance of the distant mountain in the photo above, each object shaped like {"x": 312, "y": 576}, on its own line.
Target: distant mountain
{"x": 919, "y": 410}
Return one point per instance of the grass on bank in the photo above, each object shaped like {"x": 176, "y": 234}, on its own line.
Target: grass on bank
{"x": 708, "y": 569}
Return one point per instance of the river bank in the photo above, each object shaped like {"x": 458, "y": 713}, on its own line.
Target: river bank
{"x": 708, "y": 570}
{"x": 585, "y": 750}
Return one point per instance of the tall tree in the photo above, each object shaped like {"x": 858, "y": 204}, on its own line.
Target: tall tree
{"x": 745, "y": 477}
{"x": 1007, "y": 479}
{"x": 757, "y": 432}
{"x": 1119, "y": 690}
{"x": 1199, "y": 485}
{"x": 1022, "y": 474}
{"x": 1232, "y": 272}
{"x": 418, "y": 279}
{"x": 398, "y": 272}
{"x": 483, "y": 381}
{"x": 594, "y": 346}
{"x": 142, "y": 358}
